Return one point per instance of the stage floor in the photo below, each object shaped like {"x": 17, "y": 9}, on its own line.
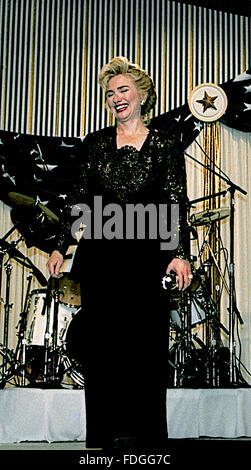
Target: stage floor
{"x": 179, "y": 453}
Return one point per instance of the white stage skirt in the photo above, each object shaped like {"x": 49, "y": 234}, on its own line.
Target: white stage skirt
{"x": 59, "y": 415}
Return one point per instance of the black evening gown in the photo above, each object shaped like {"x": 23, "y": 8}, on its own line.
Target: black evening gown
{"x": 121, "y": 334}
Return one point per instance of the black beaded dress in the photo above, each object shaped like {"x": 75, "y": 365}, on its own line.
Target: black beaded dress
{"x": 121, "y": 335}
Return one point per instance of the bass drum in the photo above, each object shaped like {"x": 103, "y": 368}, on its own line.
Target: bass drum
{"x": 73, "y": 357}
{"x": 38, "y": 321}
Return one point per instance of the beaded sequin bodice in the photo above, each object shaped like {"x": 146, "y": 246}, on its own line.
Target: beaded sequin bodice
{"x": 153, "y": 174}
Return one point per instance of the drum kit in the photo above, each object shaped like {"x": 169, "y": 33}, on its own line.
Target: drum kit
{"x": 197, "y": 355}
{"x": 42, "y": 355}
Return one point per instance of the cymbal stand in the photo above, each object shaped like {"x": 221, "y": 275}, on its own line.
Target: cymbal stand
{"x": 188, "y": 370}
{"x": 210, "y": 310}
{"x": 1, "y": 271}
{"x": 20, "y": 353}
{"x": 207, "y": 244}
{"x": 7, "y": 307}
{"x": 207, "y": 337}
{"x": 55, "y": 333}
{"x": 50, "y": 361}
{"x": 2, "y": 253}
{"x": 177, "y": 337}
{"x": 231, "y": 294}
{"x": 232, "y": 304}
{"x": 47, "y": 309}
{"x": 188, "y": 322}
{"x": 181, "y": 353}
{"x": 183, "y": 356}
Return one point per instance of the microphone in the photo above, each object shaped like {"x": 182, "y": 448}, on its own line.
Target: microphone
{"x": 169, "y": 281}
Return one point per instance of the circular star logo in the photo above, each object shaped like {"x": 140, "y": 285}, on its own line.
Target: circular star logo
{"x": 207, "y": 102}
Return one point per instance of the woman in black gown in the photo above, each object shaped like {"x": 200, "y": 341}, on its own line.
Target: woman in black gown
{"x": 121, "y": 336}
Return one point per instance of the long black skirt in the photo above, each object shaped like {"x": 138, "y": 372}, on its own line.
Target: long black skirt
{"x": 121, "y": 339}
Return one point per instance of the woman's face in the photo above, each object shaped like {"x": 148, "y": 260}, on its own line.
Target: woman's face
{"x": 123, "y": 98}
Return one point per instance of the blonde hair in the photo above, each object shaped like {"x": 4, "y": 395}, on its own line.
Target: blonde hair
{"x": 143, "y": 83}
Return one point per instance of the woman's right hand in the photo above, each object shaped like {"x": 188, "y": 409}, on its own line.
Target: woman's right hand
{"x": 54, "y": 264}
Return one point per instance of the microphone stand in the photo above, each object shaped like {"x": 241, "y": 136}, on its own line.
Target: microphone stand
{"x": 232, "y": 309}
{"x": 2, "y": 253}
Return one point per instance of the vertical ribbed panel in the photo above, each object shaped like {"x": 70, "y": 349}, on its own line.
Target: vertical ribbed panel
{"x": 51, "y": 53}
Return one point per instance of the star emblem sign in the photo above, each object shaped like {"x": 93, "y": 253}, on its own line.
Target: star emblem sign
{"x": 207, "y": 102}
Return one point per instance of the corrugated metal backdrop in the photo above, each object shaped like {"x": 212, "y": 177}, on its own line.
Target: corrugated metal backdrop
{"x": 51, "y": 52}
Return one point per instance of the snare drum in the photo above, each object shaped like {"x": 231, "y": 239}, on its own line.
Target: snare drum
{"x": 68, "y": 289}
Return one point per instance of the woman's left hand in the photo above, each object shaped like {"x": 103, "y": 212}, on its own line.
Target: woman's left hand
{"x": 182, "y": 268}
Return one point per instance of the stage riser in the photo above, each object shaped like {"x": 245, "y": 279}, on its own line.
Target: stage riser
{"x": 59, "y": 415}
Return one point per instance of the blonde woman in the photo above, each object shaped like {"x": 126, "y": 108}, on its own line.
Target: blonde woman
{"x": 121, "y": 335}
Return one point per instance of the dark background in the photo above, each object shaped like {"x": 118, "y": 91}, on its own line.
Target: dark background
{"x": 239, "y": 7}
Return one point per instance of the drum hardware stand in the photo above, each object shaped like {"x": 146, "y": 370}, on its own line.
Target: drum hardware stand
{"x": 208, "y": 314}
{"x": 176, "y": 364}
{"x": 50, "y": 377}
{"x": 232, "y": 301}
{"x": 232, "y": 308}
{"x": 178, "y": 361}
{"x": 184, "y": 367}
{"x": 20, "y": 353}
{"x": 55, "y": 363}
{"x": 209, "y": 308}
{"x": 7, "y": 307}
{"x": 233, "y": 377}
{"x": 180, "y": 350}
{"x": 206, "y": 243}
{"x": 47, "y": 311}
{"x": 183, "y": 344}
{"x": 212, "y": 324}
{"x": 173, "y": 348}
{"x": 189, "y": 366}
{"x": 14, "y": 361}
{"x": 2, "y": 253}
{"x": 188, "y": 321}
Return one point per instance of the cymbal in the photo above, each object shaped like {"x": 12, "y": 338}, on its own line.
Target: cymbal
{"x": 22, "y": 200}
{"x": 37, "y": 229}
{"x": 209, "y": 215}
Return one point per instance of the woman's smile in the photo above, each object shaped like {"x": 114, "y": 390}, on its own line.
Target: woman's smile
{"x": 121, "y": 107}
